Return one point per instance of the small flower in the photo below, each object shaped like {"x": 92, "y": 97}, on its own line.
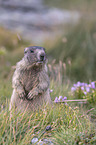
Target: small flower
{"x": 51, "y": 91}
{"x": 60, "y": 97}
{"x": 89, "y": 85}
{"x": 93, "y": 85}
{"x": 56, "y": 100}
{"x": 65, "y": 98}
{"x": 73, "y": 89}
{"x": 75, "y": 85}
{"x": 85, "y": 93}
{"x": 88, "y": 89}
{"x": 86, "y": 84}
{"x": 78, "y": 84}
{"x": 82, "y": 88}
{"x": 82, "y": 84}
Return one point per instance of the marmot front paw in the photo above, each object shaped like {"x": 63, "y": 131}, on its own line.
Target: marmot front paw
{"x": 22, "y": 95}
{"x": 31, "y": 95}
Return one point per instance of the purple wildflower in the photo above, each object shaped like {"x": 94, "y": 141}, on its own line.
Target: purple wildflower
{"x": 56, "y": 100}
{"x": 75, "y": 85}
{"x": 87, "y": 89}
{"x": 93, "y": 85}
{"x": 65, "y": 98}
{"x": 60, "y": 97}
{"x": 73, "y": 89}
{"x": 86, "y": 84}
{"x": 78, "y": 84}
{"x": 82, "y": 88}
{"x": 51, "y": 91}
{"x": 82, "y": 84}
{"x": 89, "y": 85}
{"x": 85, "y": 93}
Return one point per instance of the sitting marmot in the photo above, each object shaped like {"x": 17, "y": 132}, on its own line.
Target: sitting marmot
{"x": 30, "y": 80}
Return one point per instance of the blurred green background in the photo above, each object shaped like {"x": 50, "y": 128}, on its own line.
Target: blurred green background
{"x": 76, "y": 47}
{"x": 72, "y": 58}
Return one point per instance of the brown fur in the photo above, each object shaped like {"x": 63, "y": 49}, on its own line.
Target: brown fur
{"x": 30, "y": 82}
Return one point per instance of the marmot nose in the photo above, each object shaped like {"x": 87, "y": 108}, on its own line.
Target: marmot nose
{"x": 42, "y": 56}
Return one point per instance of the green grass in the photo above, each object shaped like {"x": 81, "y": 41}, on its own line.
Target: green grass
{"x": 78, "y": 43}
{"x": 68, "y": 126}
{"x": 79, "y": 5}
{"x": 10, "y": 41}
{"x": 72, "y": 124}
{"x": 78, "y": 52}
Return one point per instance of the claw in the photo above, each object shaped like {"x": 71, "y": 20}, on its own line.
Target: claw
{"x": 31, "y": 95}
{"x": 22, "y": 95}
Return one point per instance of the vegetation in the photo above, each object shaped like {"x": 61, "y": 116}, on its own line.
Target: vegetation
{"x": 82, "y": 6}
{"x": 78, "y": 47}
{"x": 68, "y": 126}
{"x": 72, "y": 123}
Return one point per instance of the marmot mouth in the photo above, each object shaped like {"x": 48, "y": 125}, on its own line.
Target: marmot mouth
{"x": 40, "y": 62}
{"x": 37, "y": 63}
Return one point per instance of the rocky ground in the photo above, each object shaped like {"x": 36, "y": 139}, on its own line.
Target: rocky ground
{"x": 33, "y": 20}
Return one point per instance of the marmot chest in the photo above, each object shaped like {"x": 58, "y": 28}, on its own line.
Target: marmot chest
{"x": 30, "y": 79}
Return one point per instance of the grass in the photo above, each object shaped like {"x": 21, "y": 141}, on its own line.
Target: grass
{"x": 84, "y": 6}
{"x": 78, "y": 52}
{"x": 78, "y": 42}
{"x": 67, "y": 124}
{"x": 72, "y": 124}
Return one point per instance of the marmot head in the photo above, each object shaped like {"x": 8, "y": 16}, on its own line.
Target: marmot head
{"x": 35, "y": 55}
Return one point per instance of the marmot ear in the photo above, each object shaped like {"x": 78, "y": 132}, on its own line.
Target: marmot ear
{"x": 43, "y": 48}
{"x": 25, "y": 50}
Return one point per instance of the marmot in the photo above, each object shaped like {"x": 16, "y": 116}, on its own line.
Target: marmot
{"x": 30, "y": 80}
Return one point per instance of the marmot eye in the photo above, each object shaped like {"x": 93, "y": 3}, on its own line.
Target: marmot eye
{"x": 31, "y": 51}
{"x": 25, "y": 51}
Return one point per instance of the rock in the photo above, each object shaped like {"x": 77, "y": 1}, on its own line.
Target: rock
{"x": 41, "y": 142}
{"x": 45, "y": 142}
{"x": 33, "y": 20}
{"x": 48, "y": 128}
{"x": 34, "y": 140}
{"x": 19, "y": 5}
